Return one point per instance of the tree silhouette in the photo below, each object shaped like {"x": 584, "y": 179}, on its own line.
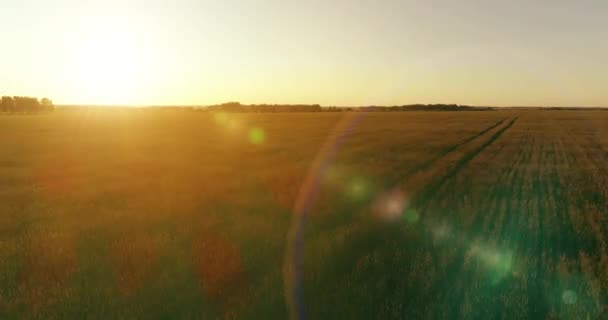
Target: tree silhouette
{"x": 7, "y": 104}
{"x": 47, "y": 104}
{"x": 20, "y": 104}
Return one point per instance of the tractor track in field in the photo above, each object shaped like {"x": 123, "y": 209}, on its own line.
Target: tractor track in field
{"x": 515, "y": 223}
{"x": 450, "y": 149}
{"x": 538, "y": 307}
{"x": 443, "y": 153}
{"x": 368, "y": 239}
{"x": 410, "y": 172}
{"x": 500, "y": 207}
{"x": 421, "y": 200}
{"x": 569, "y": 242}
{"x": 527, "y": 212}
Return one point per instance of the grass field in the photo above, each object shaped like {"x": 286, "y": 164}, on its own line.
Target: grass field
{"x": 143, "y": 214}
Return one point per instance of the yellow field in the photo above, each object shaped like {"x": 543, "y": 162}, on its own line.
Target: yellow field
{"x": 130, "y": 214}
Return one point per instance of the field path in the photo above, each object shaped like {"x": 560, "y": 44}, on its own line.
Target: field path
{"x": 508, "y": 223}
{"x": 516, "y": 246}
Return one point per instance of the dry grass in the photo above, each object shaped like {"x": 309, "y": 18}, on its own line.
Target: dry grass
{"x": 169, "y": 214}
{"x": 49, "y": 260}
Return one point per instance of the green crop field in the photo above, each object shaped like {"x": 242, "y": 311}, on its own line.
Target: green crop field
{"x": 162, "y": 214}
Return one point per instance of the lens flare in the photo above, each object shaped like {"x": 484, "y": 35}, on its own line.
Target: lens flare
{"x": 441, "y": 232}
{"x": 257, "y": 135}
{"x": 390, "y": 206}
{"x": 411, "y": 216}
{"x": 500, "y": 266}
{"x": 497, "y": 263}
{"x": 358, "y": 188}
{"x": 220, "y": 118}
{"x": 309, "y": 191}
{"x": 569, "y": 297}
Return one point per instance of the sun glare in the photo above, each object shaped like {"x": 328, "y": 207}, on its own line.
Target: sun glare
{"x": 109, "y": 68}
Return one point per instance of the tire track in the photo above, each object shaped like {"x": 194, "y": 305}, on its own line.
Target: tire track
{"x": 409, "y": 173}
{"x": 471, "y": 138}
{"x": 537, "y": 304}
{"x": 373, "y": 238}
{"x": 503, "y": 235}
{"x": 432, "y": 188}
{"x": 512, "y": 230}
{"x": 569, "y": 241}
{"x": 497, "y": 190}
{"x": 423, "y": 199}
{"x": 443, "y": 153}
{"x": 498, "y": 200}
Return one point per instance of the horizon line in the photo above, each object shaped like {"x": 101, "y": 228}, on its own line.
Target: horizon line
{"x": 70, "y": 105}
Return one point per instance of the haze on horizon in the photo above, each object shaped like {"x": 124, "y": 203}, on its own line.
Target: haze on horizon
{"x": 546, "y": 52}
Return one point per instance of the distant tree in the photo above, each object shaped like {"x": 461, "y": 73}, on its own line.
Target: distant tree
{"x": 35, "y": 105}
{"x": 20, "y": 104}
{"x": 25, "y": 104}
{"x": 47, "y": 104}
{"x": 7, "y": 104}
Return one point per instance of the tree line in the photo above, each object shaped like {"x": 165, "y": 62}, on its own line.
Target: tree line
{"x": 18, "y": 104}
{"x": 237, "y": 107}
{"x": 426, "y": 107}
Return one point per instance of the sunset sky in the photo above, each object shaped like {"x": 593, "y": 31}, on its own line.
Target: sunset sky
{"x": 544, "y": 52}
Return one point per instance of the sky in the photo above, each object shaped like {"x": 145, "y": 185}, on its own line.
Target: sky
{"x": 331, "y": 52}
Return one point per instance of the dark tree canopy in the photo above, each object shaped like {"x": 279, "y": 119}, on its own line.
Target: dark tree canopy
{"x": 19, "y": 104}
{"x": 237, "y": 107}
{"x": 47, "y": 104}
{"x": 7, "y": 104}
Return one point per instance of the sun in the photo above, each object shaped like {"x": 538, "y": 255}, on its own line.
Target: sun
{"x": 108, "y": 67}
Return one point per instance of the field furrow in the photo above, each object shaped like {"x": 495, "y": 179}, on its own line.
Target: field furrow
{"x": 414, "y": 215}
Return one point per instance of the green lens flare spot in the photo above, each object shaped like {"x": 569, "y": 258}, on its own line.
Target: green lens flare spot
{"x": 358, "y": 188}
{"x": 220, "y": 118}
{"x": 411, "y": 216}
{"x": 257, "y": 135}
{"x": 501, "y": 265}
{"x": 569, "y": 297}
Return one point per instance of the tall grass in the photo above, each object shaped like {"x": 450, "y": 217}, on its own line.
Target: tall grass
{"x": 168, "y": 214}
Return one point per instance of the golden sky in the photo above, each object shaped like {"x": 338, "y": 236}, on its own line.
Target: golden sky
{"x": 157, "y": 52}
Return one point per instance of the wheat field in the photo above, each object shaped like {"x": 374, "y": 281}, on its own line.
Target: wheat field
{"x": 157, "y": 214}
